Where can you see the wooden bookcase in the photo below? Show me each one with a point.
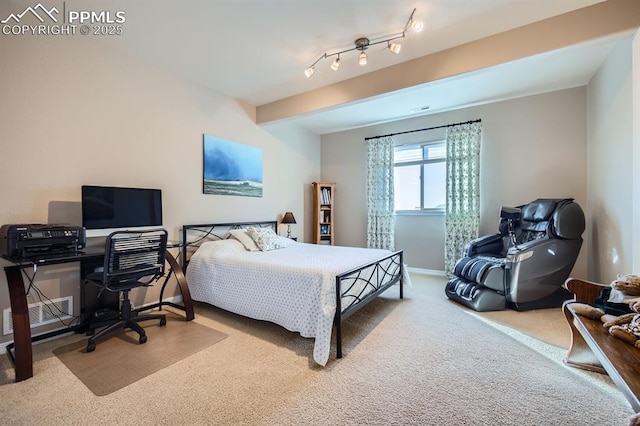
(323, 225)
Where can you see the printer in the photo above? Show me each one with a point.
(24, 241)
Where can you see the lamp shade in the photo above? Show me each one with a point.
(288, 218)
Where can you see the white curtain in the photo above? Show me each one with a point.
(380, 207)
(462, 220)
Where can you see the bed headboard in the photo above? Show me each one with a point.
(194, 235)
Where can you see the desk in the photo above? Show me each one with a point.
(22, 339)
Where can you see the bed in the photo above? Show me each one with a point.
(305, 288)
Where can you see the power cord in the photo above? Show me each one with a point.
(59, 314)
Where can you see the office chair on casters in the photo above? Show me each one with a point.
(132, 259)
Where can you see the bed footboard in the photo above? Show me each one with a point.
(357, 287)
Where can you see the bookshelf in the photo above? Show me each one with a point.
(323, 226)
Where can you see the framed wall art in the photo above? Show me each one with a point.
(231, 168)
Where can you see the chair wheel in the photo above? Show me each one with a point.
(143, 339)
(163, 322)
(91, 346)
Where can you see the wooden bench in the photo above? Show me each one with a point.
(594, 349)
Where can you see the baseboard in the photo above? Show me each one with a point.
(3, 346)
(426, 271)
(174, 299)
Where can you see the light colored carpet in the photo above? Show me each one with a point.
(420, 361)
(541, 324)
(120, 360)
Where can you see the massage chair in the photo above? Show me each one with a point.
(525, 264)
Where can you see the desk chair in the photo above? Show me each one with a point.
(132, 259)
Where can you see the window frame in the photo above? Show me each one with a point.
(431, 211)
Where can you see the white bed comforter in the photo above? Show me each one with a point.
(293, 287)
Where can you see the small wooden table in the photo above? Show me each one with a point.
(594, 349)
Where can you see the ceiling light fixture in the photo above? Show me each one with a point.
(362, 59)
(363, 43)
(394, 47)
(336, 63)
(417, 26)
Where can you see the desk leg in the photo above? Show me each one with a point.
(182, 284)
(21, 326)
(187, 303)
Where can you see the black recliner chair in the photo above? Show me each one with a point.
(525, 264)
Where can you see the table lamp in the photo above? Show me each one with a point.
(288, 219)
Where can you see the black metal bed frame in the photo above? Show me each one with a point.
(377, 275)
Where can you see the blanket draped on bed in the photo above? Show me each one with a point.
(293, 287)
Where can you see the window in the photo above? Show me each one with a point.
(420, 177)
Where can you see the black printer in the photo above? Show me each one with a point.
(24, 241)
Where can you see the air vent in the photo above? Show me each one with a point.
(42, 313)
(420, 109)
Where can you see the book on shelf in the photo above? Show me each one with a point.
(324, 229)
(325, 196)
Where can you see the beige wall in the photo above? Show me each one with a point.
(611, 195)
(72, 112)
(532, 147)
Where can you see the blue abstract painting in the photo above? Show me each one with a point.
(231, 168)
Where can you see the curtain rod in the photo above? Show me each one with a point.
(422, 130)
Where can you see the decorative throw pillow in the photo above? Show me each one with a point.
(265, 238)
(246, 240)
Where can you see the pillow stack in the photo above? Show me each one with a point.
(258, 239)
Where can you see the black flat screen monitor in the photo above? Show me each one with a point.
(109, 207)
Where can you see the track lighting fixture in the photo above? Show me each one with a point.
(364, 43)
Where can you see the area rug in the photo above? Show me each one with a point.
(120, 360)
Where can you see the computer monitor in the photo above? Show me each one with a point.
(108, 208)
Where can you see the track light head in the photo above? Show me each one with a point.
(395, 47)
(362, 44)
(363, 58)
(336, 63)
(309, 72)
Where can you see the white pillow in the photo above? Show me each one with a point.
(265, 238)
(246, 240)
(220, 247)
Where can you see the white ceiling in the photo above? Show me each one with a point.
(557, 70)
(256, 50)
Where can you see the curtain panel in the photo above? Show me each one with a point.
(380, 201)
(462, 219)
